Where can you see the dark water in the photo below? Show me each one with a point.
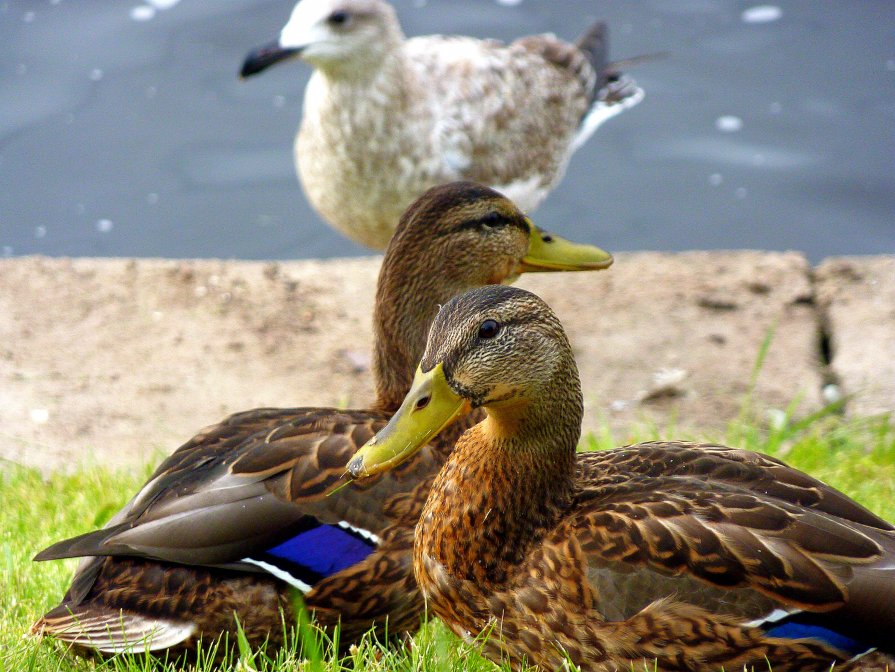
(121, 136)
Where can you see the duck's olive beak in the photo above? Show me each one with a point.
(429, 407)
(547, 252)
(263, 57)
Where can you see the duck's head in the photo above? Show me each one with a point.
(330, 33)
(453, 238)
(496, 347)
(469, 235)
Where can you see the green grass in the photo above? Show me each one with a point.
(857, 457)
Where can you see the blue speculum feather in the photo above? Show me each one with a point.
(792, 629)
(322, 551)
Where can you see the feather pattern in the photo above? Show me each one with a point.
(699, 556)
(257, 505)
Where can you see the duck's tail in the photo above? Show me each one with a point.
(96, 627)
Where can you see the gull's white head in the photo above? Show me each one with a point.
(329, 32)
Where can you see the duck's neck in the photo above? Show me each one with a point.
(407, 299)
(507, 483)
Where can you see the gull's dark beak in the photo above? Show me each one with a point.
(263, 57)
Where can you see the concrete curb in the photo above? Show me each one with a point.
(111, 360)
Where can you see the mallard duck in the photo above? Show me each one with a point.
(703, 557)
(386, 117)
(240, 514)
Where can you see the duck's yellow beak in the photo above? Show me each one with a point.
(548, 252)
(429, 407)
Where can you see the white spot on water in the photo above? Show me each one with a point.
(728, 123)
(279, 101)
(152, 198)
(28, 17)
(761, 14)
(39, 415)
(775, 108)
(142, 12)
(96, 74)
(715, 179)
(741, 192)
(509, 3)
(55, 2)
(104, 225)
(151, 91)
(163, 4)
(40, 231)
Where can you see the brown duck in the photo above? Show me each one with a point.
(240, 515)
(698, 557)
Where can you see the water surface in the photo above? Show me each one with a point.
(124, 130)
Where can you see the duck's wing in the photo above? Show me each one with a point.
(765, 551)
(252, 493)
(257, 494)
(758, 473)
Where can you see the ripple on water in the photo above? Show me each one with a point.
(142, 12)
(728, 123)
(163, 4)
(728, 151)
(761, 14)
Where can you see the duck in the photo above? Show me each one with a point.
(386, 117)
(252, 509)
(675, 555)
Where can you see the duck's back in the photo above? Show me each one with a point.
(702, 557)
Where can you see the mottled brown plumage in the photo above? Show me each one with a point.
(699, 556)
(182, 557)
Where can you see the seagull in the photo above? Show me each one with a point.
(386, 117)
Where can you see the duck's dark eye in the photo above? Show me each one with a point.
(547, 238)
(492, 219)
(339, 18)
(488, 329)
